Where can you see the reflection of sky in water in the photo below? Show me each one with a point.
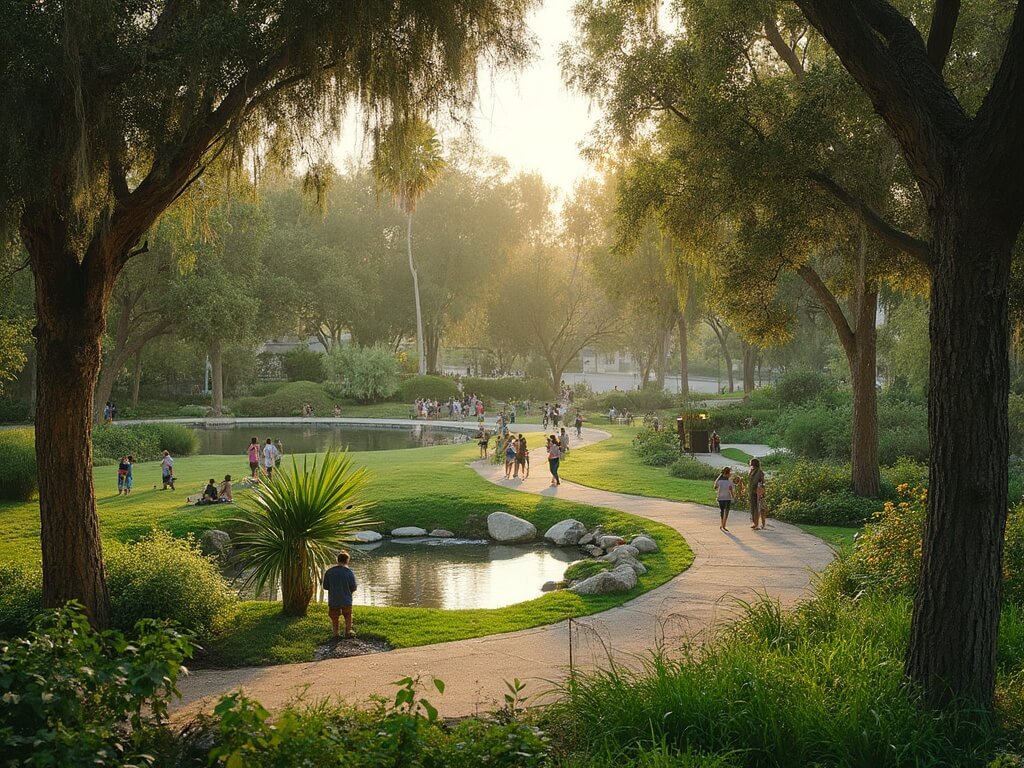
(454, 574)
(317, 438)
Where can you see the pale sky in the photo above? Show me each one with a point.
(529, 117)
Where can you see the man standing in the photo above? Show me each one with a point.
(340, 583)
(269, 458)
(167, 470)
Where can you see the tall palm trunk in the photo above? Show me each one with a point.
(421, 357)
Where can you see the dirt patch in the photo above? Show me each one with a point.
(340, 647)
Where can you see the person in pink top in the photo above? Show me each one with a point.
(254, 457)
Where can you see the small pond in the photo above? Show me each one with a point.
(452, 573)
(317, 438)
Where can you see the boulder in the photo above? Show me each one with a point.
(501, 526)
(408, 531)
(609, 542)
(549, 586)
(622, 579)
(586, 539)
(644, 544)
(625, 556)
(216, 543)
(566, 533)
(367, 537)
(441, 533)
(593, 550)
(626, 549)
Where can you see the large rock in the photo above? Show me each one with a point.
(367, 537)
(408, 531)
(593, 550)
(441, 533)
(625, 555)
(624, 550)
(609, 542)
(501, 526)
(644, 544)
(566, 533)
(549, 586)
(622, 579)
(216, 543)
(587, 539)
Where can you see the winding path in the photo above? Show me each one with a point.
(739, 565)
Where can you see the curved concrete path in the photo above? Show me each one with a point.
(727, 566)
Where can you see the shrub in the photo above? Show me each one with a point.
(74, 696)
(657, 449)
(162, 577)
(837, 508)
(1013, 557)
(18, 475)
(430, 387)
(15, 411)
(508, 388)
(303, 365)
(287, 400)
(638, 401)
(818, 433)
(803, 387)
(193, 411)
(690, 469)
(21, 597)
(143, 441)
(176, 438)
(367, 374)
(807, 481)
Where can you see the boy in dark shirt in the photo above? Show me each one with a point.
(340, 583)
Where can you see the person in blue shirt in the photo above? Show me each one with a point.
(340, 583)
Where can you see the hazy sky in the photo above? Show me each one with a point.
(529, 118)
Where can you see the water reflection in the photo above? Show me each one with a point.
(451, 573)
(317, 438)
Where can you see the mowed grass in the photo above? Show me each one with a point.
(741, 457)
(836, 535)
(427, 487)
(613, 465)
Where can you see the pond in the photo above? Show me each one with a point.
(317, 438)
(452, 573)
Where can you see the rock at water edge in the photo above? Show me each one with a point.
(408, 531)
(566, 533)
(367, 537)
(501, 526)
(441, 533)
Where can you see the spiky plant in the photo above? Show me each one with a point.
(295, 522)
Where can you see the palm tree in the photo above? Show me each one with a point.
(296, 521)
(406, 163)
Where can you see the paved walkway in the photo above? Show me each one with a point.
(727, 566)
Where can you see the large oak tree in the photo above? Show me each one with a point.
(112, 110)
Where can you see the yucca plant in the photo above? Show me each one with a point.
(295, 522)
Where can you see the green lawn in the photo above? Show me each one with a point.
(737, 455)
(427, 487)
(836, 535)
(613, 465)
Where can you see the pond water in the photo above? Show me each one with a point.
(317, 438)
(452, 573)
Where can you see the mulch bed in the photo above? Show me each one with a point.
(340, 647)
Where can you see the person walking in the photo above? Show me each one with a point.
(254, 458)
(167, 470)
(122, 474)
(755, 493)
(579, 425)
(521, 457)
(340, 583)
(554, 457)
(129, 480)
(510, 456)
(563, 441)
(279, 448)
(482, 438)
(725, 488)
(269, 458)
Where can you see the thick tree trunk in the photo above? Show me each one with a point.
(865, 480)
(433, 348)
(684, 356)
(664, 344)
(421, 357)
(217, 377)
(71, 307)
(952, 650)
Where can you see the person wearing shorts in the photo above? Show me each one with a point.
(521, 454)
(725, 488)
(340, 583)
(269, 458)
(254, 457)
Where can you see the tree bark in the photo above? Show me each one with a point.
(865, 479)
(136, 379)
(421, 359)
(952, 650)
(684, 355)
(749, 365)
(433, 347)
(72, 298)
(217, 378)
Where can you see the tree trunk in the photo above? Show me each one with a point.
(865, 480)
(136, 380)
(421, 358)
(749, 365)
(296, 588)
(71, 309)
(217, 376)
(664, 344)
(433, 347)
(684, 355)
(952, 651)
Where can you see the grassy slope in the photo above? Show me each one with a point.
(612, 465)
(737, 455)
(428, 487)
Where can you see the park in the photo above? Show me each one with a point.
(562, 383)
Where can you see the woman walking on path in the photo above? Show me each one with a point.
(755, 493)
(510, 456)
(554, 456)
(725, 488)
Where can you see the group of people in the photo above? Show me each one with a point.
(625, 416)
(268, 456)
(727, 489)
(109, 412)
(456, 408)
(216, 494)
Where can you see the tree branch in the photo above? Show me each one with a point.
(787, 54)
(889, 234)
(940, 34)
(831, 307)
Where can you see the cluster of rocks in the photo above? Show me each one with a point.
(405, 532)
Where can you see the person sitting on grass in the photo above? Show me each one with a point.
(340, 583)
(224, 490)
(210, 493)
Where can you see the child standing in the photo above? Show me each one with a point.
(725, 487)
(122, 474)
(340, 583)
(128, 476)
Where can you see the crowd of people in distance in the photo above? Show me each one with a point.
(454, 408)
(625, 416)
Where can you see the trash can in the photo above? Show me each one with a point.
(699, 441)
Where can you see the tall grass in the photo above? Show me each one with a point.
(823, 685)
